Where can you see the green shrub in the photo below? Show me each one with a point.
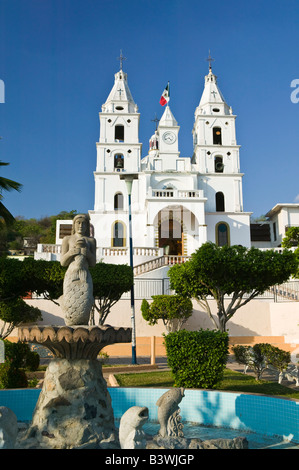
(260, 356)
(17, 357)
(32, 361)
(16, 353)
(242, 354)
(12, 377)
(173, 310)
(197, 358)
(20, 355)
(278, 358)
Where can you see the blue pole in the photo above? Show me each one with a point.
(132, 288)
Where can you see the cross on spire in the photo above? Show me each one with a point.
(121, 58)
(210, 60)
(156, 120)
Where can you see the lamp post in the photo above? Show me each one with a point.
(128, 178)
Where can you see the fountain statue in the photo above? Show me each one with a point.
(78, 252)
(74, 407)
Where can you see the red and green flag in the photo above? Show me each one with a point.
(165, 96)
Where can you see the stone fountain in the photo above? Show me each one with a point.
(74, 407)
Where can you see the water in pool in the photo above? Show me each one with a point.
(255, 440)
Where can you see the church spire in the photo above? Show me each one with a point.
(120, 97)
(212, 98)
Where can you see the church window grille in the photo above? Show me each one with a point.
(119, 133)
(118, 201)
(118, 234)
(219, 164)
(217, 140)
(220, 206)
(222, 234)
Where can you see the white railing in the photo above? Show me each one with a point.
(48, 248)
(166, 260)
(146, 288)
(177, 193)
(286, 291)
(137, 251)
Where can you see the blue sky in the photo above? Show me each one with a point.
(58, 59)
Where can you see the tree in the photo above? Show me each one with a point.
(15, 283)
(7, 185)
(14, 313)
(110, 282)
(173, 310)
(230, 271)
(46, 278)
(291, 238)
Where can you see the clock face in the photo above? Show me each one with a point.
(169, 137)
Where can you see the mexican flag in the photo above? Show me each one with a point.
(165, 96)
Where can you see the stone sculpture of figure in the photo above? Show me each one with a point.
(78, 253)
(168, 413)
(8, 428)
(131, 436)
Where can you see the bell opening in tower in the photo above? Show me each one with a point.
(217, 140)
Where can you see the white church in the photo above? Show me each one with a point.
(176, 203)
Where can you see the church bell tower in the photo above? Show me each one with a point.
(216, 159)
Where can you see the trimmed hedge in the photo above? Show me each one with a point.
(259, 356)
(17, 356)
(197, 358)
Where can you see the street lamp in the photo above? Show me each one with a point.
(128, 178)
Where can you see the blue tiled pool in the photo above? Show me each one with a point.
(246, 412)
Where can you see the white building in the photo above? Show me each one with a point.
(177, 203)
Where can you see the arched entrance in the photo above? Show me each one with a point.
(171, 231)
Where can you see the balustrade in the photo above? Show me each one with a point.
(177, 193)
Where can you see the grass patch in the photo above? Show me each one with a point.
(146, 379)
(232, 381)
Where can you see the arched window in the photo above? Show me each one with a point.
(118, 234)
(118, 201)
(219, 164)
(220, 207)
(118, 161)
(119, 133)
(222, 234)
(217, 136)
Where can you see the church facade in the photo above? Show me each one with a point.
(176, 203)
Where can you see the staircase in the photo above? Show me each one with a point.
(289, 291)
(165, 260)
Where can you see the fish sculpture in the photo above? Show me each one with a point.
(168, 413)
(131, 436)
